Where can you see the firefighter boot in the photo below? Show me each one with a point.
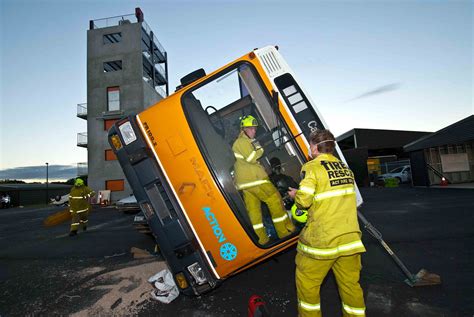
(73, 233)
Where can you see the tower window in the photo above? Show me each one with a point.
(116, 185)
(113, 98)
(112, 38)
(112, 66)
(110, 155)
(109, 123)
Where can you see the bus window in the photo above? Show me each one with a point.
(214, 110)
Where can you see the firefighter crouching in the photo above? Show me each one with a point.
(331, 238)
(79, 205)
(256, 187)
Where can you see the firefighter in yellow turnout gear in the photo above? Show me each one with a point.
(331, 238)
(254, 182)
(79, 206)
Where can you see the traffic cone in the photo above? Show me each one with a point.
(444, 181)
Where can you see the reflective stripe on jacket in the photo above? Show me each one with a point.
(248, 171)
(327, 191)
(78, 201)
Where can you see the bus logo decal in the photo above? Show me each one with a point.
(228, 251)
(313, 126)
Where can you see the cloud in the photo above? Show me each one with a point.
(378, 91)
(39, 172)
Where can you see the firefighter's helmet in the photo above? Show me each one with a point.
(248, 121)
(299, 215)
(78, 182)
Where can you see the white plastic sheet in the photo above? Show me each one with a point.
(165, 288)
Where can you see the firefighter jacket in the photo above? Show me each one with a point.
(78, 199)
(327, 191)
(248, 171)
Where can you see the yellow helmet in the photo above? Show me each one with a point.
(299, 215)
(248, 121)
(78, 182)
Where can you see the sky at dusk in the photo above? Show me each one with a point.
(401, 65)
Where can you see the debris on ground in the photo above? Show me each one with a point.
(166, 290)
(125, 290)
(140, 253)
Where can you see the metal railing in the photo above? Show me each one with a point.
(437, 173)
(160, 91)
(113, 21)
(82, 110)
(158, 67)
(148, 31)
(160, 70)
(82, 139)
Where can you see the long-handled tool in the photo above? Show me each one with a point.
(57, 218)
(422, 278)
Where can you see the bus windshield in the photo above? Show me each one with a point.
(254, 185)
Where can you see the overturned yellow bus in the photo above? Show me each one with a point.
(177, 156)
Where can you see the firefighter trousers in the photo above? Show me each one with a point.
(310, 273)
(267, 193)
(79, 219)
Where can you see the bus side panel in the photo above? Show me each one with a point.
(220, 234)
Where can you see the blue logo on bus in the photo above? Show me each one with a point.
(228, 251)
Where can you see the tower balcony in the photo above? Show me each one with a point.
(82, 168)
(82, 110)
(82, 139)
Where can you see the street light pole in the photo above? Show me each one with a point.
(47, 189)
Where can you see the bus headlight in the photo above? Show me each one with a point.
(128, 135)
(198, 274)
(181, 280)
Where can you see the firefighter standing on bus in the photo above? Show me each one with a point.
(256, 187)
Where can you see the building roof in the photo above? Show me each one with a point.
(379, 138)
(4, 187)
(456, 133)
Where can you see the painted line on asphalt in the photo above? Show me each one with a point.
(16, 211)
(92, 228)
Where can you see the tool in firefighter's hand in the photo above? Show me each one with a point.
(57, 218)
(422, 278)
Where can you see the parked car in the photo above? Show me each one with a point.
(402, 173)
(128, 205)
(6, 201)
(60, 200)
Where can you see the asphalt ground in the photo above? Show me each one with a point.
(43, 272)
